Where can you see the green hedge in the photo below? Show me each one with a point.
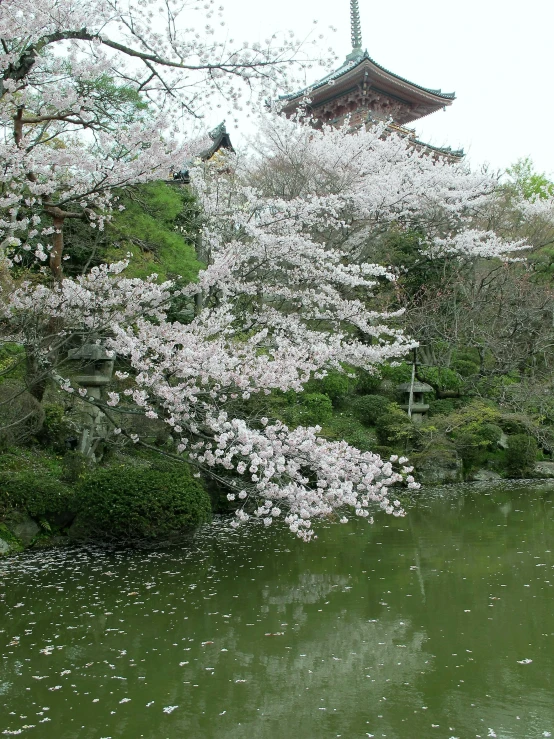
(371, 407)
(521, 455)
(394, 428)
(38, 495)
(140, 505)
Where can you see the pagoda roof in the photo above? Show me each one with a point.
(220, 139)
(204, 149)
(360, 64)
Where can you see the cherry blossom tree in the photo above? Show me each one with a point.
(90, 92)
(92, 95)
(279, 304)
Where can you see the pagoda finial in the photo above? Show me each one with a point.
(355, 26)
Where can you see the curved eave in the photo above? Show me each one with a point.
(350, 71)
(222, 141)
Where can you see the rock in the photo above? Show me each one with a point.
(437, 466)
(485, 476)
(22, 526)
(5, 546)
(8, 542)
(544, 469)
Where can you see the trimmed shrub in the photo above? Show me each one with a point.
(441, 378)
(371, 407)
(359, 439)
(336, 385)
(315, 408)
(441, 407)
(133, 505)
(37, 495)
(521, 455)
(366, 382)
(394, 428)
(465, 368)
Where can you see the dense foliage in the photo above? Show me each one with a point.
(140, 505)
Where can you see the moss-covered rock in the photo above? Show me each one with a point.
(9, 543)
(438, 465)
(22, 526)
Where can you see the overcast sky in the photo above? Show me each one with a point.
(496, 56)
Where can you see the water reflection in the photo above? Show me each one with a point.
(440, 624)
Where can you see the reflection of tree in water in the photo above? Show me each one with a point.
(333, 660)
(310, 588)
(348, 671)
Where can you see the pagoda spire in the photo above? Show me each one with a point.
(355, 26)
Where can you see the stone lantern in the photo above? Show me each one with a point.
(93, 372)
(418, 406)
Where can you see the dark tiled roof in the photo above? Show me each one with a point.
(352, 62)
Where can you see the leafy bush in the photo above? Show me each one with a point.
(385, 452)
(401, 372)
(465, 367)
(56, 427)
(360, 439)
(346, 427)
(514, 423)
(521, 455)
(472, 449)
(37, 494)
(366, 382)
(336, 385)
(371, 407)
(497, 386)
(140, 505)
(75, 466)
(315, 408)
(441, 378)
(394, 428)
(441, 407)
(475, 431)
(490, 432)
(11, 364)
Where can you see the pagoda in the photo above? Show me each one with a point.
(365, 92)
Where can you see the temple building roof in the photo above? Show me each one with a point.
(362, 87)
(360, 62)
(204, 148)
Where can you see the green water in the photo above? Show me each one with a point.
(437, 625)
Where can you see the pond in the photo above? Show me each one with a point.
(440, 624)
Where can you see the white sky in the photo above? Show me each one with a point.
(497, 56)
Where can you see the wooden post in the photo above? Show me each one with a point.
(411, 396)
